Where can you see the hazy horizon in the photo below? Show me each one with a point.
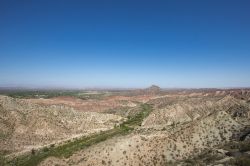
(124, 44)
(30, 87)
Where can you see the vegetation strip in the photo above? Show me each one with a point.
(68, 149)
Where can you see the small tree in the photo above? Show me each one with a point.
(33, 151)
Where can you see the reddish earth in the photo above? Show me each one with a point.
(94, 105)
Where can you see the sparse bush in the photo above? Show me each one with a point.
(164, 128)
(45, 149)
(33, 152)
(103, 162)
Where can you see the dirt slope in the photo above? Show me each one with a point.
(24, 125)
(176, 131)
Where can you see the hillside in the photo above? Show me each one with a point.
(182, 127)
(25, 125)
(173, 134)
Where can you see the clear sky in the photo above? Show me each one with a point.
(125, 43)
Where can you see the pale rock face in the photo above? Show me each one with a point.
(167, 116)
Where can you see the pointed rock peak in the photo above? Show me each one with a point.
(153, 89)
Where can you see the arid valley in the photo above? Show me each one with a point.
(149, 126)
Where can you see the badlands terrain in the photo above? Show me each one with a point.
(142, 127)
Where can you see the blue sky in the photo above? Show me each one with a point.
(125, 43)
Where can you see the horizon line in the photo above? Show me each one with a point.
(113, 88)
